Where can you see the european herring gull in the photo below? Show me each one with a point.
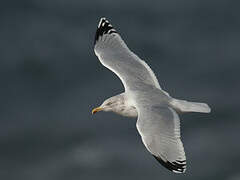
(158, 122)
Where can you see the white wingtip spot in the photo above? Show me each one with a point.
(103, 18)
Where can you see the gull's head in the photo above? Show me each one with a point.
(111, 104)
(117, 104)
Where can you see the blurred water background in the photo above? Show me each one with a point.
(50, 80)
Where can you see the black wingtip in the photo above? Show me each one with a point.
(104, 27)
(177, 166)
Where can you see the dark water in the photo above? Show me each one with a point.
(50, 80)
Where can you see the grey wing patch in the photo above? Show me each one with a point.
(114, 54)
(104, 27)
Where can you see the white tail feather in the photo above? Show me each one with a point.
(185, 106)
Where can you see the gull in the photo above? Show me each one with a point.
(157, 120)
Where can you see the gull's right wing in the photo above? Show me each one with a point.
(114, 54)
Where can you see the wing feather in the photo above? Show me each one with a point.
(114, 54)
(159, 128)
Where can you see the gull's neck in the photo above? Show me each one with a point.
(123, 106)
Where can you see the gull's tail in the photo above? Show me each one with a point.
(185, 106)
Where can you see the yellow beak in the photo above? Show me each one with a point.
(96, 110)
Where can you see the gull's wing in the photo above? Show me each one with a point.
(159, 127)
(114, 54)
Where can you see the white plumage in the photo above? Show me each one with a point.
(158, 123)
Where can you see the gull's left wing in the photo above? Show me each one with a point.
(159, 127)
